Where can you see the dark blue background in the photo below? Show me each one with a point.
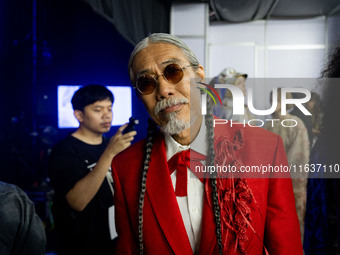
(74, 46)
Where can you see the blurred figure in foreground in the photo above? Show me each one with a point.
(323, 204)
(22, 232)
(314, 106)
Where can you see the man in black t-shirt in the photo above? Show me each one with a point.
(79, 169)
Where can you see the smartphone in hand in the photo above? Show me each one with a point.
(131, 125)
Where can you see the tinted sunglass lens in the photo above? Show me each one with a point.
(146, 84)
(173, 73)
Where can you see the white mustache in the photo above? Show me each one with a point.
(165, 103)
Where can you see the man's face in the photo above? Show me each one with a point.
(97, 117)
(152, 60)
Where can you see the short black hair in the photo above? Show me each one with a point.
(89, 94)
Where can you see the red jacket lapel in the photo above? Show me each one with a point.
(208, 230)
(163, 200)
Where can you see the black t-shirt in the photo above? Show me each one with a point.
(85, 232)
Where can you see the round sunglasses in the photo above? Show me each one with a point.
(147, 83)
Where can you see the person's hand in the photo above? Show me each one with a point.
(120, 141)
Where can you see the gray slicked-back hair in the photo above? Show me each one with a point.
(161, 38)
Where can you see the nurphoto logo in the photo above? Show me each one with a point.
(238, 103)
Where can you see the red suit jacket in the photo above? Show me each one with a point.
(274, 220)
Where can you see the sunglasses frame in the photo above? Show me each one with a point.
(155, 77)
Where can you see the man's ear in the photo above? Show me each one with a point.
(79, 115)
(200, 72)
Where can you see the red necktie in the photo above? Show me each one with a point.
(181, 161)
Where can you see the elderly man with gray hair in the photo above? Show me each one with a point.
(161, 205)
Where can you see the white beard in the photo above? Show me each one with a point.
(174, 126)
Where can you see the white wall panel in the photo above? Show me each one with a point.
(262, 49)
(242, 43)
(334, 31)
(295, 46)
(188, 19)
(288, 32)
(197, 45)
(238, 56)
(190, 23)
(237, 33)
(295, 63)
